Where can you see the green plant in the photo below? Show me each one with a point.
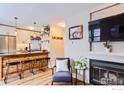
(107, 44)
(47, 28)
(80, 64)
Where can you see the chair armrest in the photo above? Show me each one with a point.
(53, 68)
(71, 73)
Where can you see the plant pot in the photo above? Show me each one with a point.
(109, 50)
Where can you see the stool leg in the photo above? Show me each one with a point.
(44, 67)
(50, 64)
(40, 65)
(31, 68)
(46, 61)
(22, 70)
(6, 74)
(19, 74)
(52, 83)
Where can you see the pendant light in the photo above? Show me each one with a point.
(34, 30)
(16, 18)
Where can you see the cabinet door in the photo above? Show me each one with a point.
(12, 44)
(23, 37)
(3, 44)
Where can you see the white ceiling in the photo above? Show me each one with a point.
(41, 13)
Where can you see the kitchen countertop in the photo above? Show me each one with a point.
(21, 53)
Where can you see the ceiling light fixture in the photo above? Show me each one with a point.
(35, 30)
(16, 18)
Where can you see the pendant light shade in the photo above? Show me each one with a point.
(16, 18)
(34, 30)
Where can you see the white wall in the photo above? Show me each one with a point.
(80, 48)
(77, 48)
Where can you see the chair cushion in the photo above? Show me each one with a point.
(62, 65)
(62, 76)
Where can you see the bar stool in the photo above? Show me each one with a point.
(30, 63)
(47, 59)
(40, 62)
(8, 65)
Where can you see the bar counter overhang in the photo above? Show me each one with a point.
(18, 56)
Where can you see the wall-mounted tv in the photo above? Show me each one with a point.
(110, 28)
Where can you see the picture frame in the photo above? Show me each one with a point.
(76, 32)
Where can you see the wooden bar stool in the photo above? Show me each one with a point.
(40, 62)
(30, 63)
(47, 59)
(8, 65)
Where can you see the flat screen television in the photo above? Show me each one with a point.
(117, 33)
(110, 28)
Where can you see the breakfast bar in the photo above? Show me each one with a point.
(20, 57)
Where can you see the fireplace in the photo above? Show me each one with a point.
(106, 73)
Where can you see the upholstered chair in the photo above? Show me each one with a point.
(62, 71)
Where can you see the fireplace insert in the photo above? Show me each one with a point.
(106, 73)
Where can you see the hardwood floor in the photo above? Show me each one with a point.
(40, 78)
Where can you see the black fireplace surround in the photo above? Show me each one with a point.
(106, 72)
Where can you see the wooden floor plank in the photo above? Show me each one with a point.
(41, 78)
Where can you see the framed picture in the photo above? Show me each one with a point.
(76, 32)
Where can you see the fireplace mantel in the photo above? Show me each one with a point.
(114, 57)
(107, 54)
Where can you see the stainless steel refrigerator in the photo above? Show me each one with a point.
(7, 44)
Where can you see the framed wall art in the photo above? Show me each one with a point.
(76, 32)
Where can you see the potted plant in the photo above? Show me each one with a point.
(80, 64)
(108, 46)
(47, 28)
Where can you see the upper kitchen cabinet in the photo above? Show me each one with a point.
(23, 37)
(4, 30)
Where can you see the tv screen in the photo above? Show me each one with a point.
(110, 28)
(117, 33)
